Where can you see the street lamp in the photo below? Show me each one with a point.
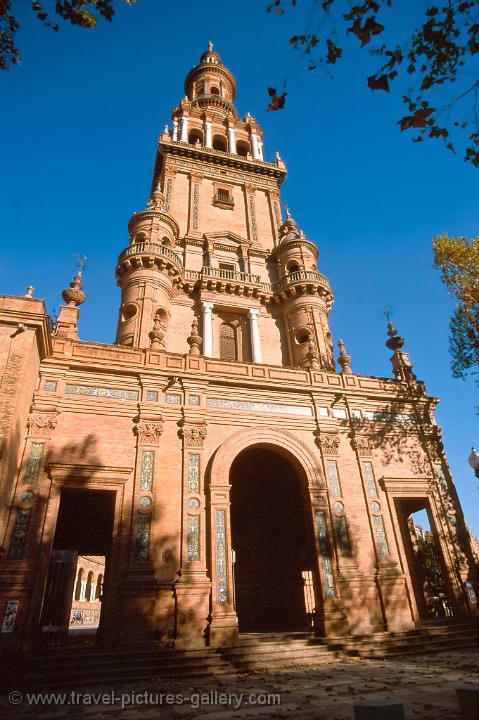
(473, 461)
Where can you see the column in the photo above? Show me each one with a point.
(184, 129)
(260, 151)
(254, 332)
(207, 329)
(254, 146)
(231, 140)
(208, 134)
(175, 130)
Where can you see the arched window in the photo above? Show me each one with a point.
(195, 136)
(200, 88)
(219, 143)
(214, 90)
(78, 585)
(89, 587)
(227, 342)
(242, 148)
(99, 588)
(166, 242)
(292, 266)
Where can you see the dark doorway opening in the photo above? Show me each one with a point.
(76, 584)
(271, 544)
(424, 559)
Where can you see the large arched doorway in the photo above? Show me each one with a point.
(272, 544)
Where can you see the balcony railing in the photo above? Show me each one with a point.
(150, 248)
(300, 276)
(221, 274)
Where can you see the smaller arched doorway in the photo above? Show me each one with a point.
(273, 543)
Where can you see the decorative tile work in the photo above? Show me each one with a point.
(193, 538)
(325, 553)
(10, 615)
(342, 534)
(34, 462)
(441, 478)
(152, 396)
(145, 502)
(259, 407)
(380, 533)
(369, 479)
(101, 392)
(143, 530)
(221, 557)
(333, 478)
(173, 399)
(147, 466)
(19, 534)
(50, 386)
(193, 473)
(169, 185)
(193, 503)
(196, 199)
(252, 209)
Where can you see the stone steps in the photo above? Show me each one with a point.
(429, 639)
(88, 666)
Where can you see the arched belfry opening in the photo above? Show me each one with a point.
(272, 543)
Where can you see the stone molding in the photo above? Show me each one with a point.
(148, 433)
(41, 424)
(328, 443)
(364, 446)
(194, 435)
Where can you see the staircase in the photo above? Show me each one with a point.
(89, 665)
(258, 651)
(431, 638)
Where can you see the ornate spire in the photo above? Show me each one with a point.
(395, 342)
(344, 359)
(67, 323)
(29, 291)
(156, 335)
(402, 366)
(194, 340)
(74, 294)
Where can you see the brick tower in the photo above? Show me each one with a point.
(213, 460)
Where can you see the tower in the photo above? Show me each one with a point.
(212, 245)
(230, 478)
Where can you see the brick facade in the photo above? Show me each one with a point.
(130, 451)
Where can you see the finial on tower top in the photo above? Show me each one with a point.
(287, 210)
(395, 341)
(29, 291)
(344, 359)
(74, 294)
(81, 263)
(210, 45)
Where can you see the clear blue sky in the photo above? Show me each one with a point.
(79, 123)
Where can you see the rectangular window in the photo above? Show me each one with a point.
(173, 399)
(339, 413)
(194, 399)
(50, 386)
(333, 478)
(223, 195)
(152, 396)
(323, 411)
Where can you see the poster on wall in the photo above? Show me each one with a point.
(10, 615)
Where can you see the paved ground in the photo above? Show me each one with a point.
(424, 684)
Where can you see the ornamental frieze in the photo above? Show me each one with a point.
(41, 424)
(148, 433)
(193, 435)
(328, 443)
(364, 446)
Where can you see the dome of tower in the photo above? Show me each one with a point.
(210, 78)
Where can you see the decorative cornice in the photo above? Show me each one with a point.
(218, 157)
(148, 433)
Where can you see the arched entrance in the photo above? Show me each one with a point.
(272, 542)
